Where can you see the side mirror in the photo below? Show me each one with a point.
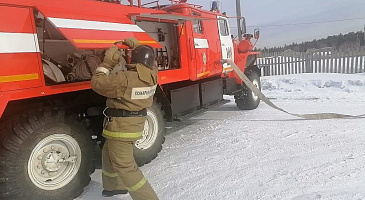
(243, 25)
(256, 34)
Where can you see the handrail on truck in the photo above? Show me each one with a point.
(131, 3)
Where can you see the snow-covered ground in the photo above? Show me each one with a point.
(225, 153)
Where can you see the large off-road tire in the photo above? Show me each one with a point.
(45, 156)
(246, 99)
(147, 148)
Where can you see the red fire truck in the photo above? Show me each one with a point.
(51, 120)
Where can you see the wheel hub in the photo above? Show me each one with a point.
(145, 131)
(54, 161)
(257, 85)
(150, 132)
(51, 161)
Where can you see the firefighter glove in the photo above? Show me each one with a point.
(131, 42)
(112, 57)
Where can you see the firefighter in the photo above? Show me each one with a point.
(128, 94)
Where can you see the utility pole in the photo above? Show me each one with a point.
(239, 15)
(364, 36)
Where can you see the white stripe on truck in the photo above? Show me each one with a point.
(18, 43)
(93, 25)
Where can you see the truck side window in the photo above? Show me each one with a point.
(223, 27)
(197, 25)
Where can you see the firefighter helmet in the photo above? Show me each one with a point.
(143, 54)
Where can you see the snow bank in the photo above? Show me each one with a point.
(315, 86)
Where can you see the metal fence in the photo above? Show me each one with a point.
(327, 60)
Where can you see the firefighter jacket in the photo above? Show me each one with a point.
(130, 90)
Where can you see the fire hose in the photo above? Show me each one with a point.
(257, 92)
(84, 68)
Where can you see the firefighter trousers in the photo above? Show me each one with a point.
(120, 171)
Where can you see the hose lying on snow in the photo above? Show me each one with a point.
(255, 90)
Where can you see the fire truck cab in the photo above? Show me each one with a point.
(51, 120)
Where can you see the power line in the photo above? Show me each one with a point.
(308, 23)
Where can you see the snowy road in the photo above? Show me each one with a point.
(226, 153)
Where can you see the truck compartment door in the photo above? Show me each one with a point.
(226, 42)
(19, 50)
(200, 47)
(87, 31)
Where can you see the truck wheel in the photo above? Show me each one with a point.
(45, 156)
(147, 148)
(247, 100)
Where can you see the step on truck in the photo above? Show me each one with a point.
(51, 120)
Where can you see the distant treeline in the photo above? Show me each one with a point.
(349, 40)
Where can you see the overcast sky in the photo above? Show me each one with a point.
(344, 16)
